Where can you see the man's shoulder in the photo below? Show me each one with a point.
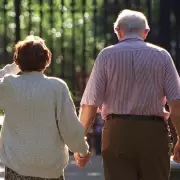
(157, 48)
(160, 51)
(108, 49)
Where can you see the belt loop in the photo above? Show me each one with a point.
(109, 117)
(155, 118)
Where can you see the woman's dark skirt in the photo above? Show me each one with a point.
(11, 175)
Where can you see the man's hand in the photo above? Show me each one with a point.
(81, 161)
(176, 157)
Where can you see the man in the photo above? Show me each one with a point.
(130, 83)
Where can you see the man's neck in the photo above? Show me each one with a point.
(131, 36)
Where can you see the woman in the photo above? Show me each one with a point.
(40, 118)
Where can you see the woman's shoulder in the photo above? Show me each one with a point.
(9, 77)
(58, 82)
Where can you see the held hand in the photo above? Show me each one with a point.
(176, 157)
(81, 161)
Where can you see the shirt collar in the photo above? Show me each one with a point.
(131, 37)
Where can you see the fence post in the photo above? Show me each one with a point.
(17, 8)
(164, 24)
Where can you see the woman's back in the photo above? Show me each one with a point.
(30, 131)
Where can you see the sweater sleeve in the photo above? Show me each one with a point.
(9, 69)
(70, 127)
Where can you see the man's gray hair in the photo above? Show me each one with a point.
(131, 20)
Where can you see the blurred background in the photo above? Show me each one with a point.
(76, 30)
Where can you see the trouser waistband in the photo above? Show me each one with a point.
(135, 117)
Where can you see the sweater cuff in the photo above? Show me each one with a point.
(84, 153)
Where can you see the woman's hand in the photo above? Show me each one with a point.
(81, 161)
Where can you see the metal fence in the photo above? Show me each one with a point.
(76, 30)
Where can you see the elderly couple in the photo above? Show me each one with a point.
(130, 83)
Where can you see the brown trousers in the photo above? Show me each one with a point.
(135, 149)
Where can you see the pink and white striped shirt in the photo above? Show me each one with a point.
(132, 77)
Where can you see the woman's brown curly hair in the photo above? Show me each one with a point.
(32, 54)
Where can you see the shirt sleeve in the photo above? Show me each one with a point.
(71, 130)
(171, 79)
(96, 86)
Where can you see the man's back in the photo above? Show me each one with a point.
(132, 78)
(135, 77)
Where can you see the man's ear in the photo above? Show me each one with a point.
(118, 33)
(146, 32)
(116, 30)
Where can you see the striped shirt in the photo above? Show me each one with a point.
(132, 77)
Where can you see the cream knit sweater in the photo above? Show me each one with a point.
(30, 143)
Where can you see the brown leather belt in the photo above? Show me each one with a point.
(135, 117)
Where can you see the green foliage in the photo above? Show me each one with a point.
(62, 28)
